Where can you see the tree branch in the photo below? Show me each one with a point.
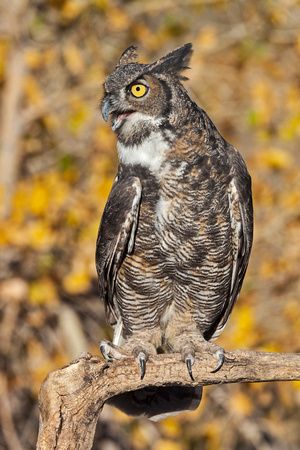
(72, 398)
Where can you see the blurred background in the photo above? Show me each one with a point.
(58, 160)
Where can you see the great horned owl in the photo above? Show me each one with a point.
(176, 233)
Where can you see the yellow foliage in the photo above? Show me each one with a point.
(39, 235)
(58, 188)
(290, 198)
(43, 291)
(72, 8)
(70, 175)
(12, 233)
(33, 91)
(20, 203)
(102, 188)
(79, 114)
(74, 59)
(170, 427)
(104, 138)
(51, 121)
(39, 364)
(240, 404)
(271, 347)
(275, 158)
(278, 15)
(73, 217)
(40, 197)
(119, 416)
(212, 432)
(207, 38)
(263, 99)
(117, 20)
(36, 58)
(88, 234)
(292, 312)
(262, 192)
(166, 444)
(4, 48)
(270, 267)
(297, 44)
(101, 4)
(139, 439)
(292, 98)
(33, 58)
(290, 128)
(144, 34)
(267, 268)
(243, 322)
(77, 281)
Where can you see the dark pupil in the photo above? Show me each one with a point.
(138, 88)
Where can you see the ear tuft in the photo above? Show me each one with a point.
(174, 62)
(128, 56)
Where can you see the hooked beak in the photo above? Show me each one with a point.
(106, 108)
(118, 116)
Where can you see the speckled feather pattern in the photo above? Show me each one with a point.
(182, 197)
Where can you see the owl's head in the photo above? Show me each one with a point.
(142, 98)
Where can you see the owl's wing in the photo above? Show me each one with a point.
(241, 220)
(116, 237)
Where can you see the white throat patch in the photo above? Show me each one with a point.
(151, 153)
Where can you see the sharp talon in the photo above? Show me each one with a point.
(141, 360)
(189, 367)
(143, 368)
(102, 350)
(220, 362)
(104, 354)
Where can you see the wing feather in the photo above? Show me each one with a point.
(241, 220)
(116, 237)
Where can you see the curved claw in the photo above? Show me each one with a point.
(141, 359)
(104, 354)
(189, 362)
(221, 356)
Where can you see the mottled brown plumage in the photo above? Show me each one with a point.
(176, 233)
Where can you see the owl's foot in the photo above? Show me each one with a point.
(188, 345)
(110, 351)
(140, 350)
(219, 355)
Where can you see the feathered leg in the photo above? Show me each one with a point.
(185, 338)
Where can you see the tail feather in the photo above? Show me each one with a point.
(158, 403)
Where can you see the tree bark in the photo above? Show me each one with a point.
(71, 399)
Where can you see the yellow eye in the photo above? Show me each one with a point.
(138, 90)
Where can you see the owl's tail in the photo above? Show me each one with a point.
(158, 403)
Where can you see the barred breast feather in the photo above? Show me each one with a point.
(176, 230)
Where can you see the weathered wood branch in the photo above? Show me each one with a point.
(72, 398)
